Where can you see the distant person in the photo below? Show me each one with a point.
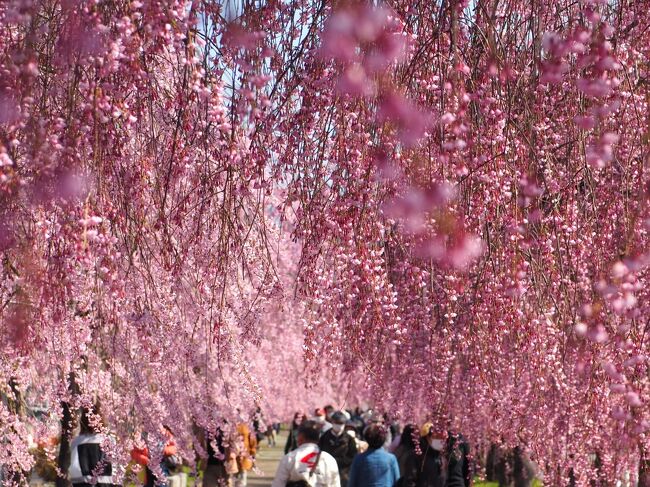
(352, 431)
(445, 458)
(341, 446)
(379, 419)
(270, 434)
(357, 420)
(376, 467)
(329, 410)
(292, 434)
(406, 453)
(395, 433)
(320, 418)
(422, 459)
(88, 461)
(259, 424)
(170, 461)
(308, 465)
(246, 449)
(220, 456)
(459, 470)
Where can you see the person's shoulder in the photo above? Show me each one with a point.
(291, 454)
(387, 456)
(327, 457)
(382, 452)
(84, 439)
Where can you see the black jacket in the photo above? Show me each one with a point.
(216, 457)
(459, 472)
(433, 468)
(343, 448)
(424, 470)
(292, 440)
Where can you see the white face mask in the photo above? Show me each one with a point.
(319, 419)
(338, 428)
(436, 443)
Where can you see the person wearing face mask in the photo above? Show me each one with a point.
(320, 418)
(425, 465)
(444, 459)
(340, 445)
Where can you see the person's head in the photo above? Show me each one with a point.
(376, 418)
(167, 431)
(338, 421)
(90, 422)
(350, 430)
(308, 432)
(435, 437)
(298, 418)
(375, 435)
(319, 415)
(409, 435)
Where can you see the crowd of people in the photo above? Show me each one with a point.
(355, 449)
(331, 448)
(224, 454)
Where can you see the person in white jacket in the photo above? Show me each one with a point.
(88, 463)
(307, 463)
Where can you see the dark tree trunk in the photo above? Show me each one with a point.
(503, 467)
(16, 405)
(67, 427)
(63, 463)
(644, 469)
(491, 463)
(523, 468)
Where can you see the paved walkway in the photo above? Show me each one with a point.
(267, 462)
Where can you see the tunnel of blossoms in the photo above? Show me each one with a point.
(440, 208)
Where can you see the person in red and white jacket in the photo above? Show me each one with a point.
(307, 462)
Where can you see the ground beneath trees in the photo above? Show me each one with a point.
(268, 458)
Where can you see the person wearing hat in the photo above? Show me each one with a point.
(320, 418)
(340, 445)
(444, 460)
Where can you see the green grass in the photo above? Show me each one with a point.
(479, 483)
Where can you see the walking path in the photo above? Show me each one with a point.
(267, 461)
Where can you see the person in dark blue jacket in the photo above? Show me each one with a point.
(375, 467)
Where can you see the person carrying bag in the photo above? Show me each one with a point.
(308, 465)
(306, 483)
